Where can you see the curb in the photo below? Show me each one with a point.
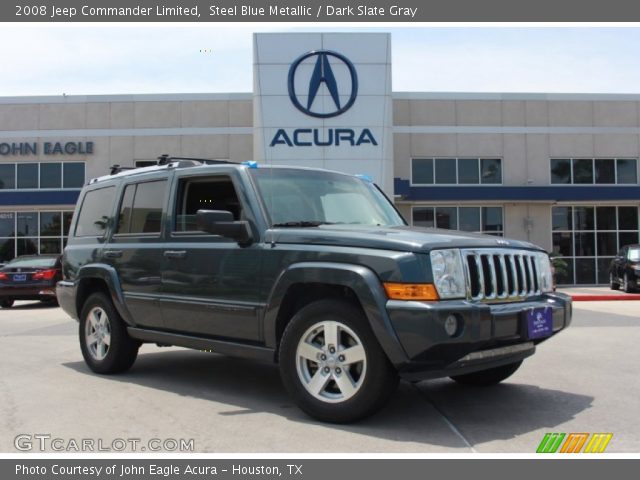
(600, 298)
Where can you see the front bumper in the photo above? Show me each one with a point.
(490, 335)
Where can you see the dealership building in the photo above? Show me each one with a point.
(558, 170)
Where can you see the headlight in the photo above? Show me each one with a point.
(546, 276)
(448, 274)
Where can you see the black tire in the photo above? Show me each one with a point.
(626, 285)
(376, 378)
(488, 377)
(613, 285)
(8, 303)
(122, 349)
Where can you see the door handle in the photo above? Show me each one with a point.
(175, 253)
(113, 253)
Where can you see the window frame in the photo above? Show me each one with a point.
(49, 189)
(456, 161)
(495, 233)
(594, 182)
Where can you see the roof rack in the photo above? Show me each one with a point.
(164, 159)
(113, 169)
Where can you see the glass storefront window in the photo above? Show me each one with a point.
(73, 174)
(446, 217)
(594, 171)
(589, 237)
(470, 219)
(50, 175)
(491, 170)
(27, 175)
(36, 233)
(456, 171)
(468, 170)
(422, 171)
(445, 170)
(7, 176)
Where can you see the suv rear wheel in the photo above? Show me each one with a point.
(105, 344)
(488, 377)
(332, 365)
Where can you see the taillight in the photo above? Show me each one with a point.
(45, 274)
(4, 276)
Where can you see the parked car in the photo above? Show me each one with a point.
(312, 269)
(30, 277)
(625, 269)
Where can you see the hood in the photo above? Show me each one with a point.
(400, 238)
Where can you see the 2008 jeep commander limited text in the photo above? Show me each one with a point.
(312, 269)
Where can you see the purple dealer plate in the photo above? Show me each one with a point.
(539, 322)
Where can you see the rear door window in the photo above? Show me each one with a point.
(141, 208)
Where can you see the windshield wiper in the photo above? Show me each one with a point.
(302, 223)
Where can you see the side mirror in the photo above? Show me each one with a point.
(221, 222)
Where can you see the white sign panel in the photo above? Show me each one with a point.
(324, 100)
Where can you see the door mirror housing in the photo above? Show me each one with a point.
(221, 222)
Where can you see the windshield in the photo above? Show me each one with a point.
(32, 262)
(311, 198)
(634, 254)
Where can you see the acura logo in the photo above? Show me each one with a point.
(323, 73)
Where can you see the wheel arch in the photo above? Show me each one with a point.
(304, 282)
(102, 278)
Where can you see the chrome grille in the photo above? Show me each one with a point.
(501, 274)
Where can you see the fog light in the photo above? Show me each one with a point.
(451, 325)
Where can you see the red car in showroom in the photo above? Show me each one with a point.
(30, 277)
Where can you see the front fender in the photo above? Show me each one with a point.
(361, 280)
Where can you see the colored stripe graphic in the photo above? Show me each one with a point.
(598, 443)
(550, 443)
(574, 442)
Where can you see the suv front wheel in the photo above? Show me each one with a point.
(332, 365)
(104, 341)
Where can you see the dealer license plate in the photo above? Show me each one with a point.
(20, 277)
(539, 322)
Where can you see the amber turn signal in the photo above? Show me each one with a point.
(411, 291)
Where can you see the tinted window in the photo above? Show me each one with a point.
(422, 170)
(491, 170)
(445, 170)
(7, 227)
(468, 171)
(50, 224)
(605, 171)
(470, 219)
(73, 175)
(423, 217)
(627, 171)
(7, 176)
(95, 212)
(560, 170)
(124, 217)
(50, 175)
(583, 171)
(27, 175)
(27, 224)
(146, 214)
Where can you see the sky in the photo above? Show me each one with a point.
(81, 60)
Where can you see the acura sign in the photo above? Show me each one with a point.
(342, 97)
